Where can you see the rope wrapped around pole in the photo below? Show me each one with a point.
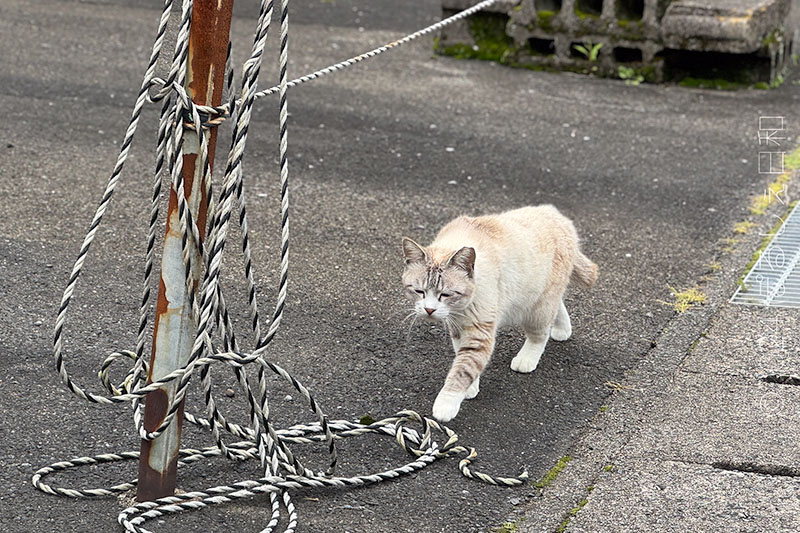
(214, 340)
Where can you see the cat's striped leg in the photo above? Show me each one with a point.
(475, 348)
(474, 389)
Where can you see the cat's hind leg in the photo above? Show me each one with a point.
(537, 331)
(528, 357)
(562, 326)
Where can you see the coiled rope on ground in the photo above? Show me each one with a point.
(214, 340)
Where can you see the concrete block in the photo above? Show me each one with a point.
(742, 41)
(732, 26)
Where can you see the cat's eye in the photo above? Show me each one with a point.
(445, 295)
(420, 292)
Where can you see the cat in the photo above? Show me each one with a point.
(482, 273)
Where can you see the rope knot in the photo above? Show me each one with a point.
(210, 117)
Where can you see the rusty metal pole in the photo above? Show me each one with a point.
(174, 327)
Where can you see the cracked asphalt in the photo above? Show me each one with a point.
(653, 177)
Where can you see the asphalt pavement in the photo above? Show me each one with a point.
(654, 178)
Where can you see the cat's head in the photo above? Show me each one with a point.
(439, 282)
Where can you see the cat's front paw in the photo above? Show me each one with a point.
(446, 406)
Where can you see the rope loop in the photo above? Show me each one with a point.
(215, 342)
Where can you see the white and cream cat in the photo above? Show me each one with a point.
(483, 273)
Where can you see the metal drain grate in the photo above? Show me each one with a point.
(774, 280)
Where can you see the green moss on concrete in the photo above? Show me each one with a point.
(648, 72)
(686, 299)
(743, 227)
(726, 76)
(553, 473)
(545, 19)
(574, 511)
(628, 24)
(583, 15)
(488, 32)
(507, 527)
(631, 30)
(792, 161)
(774, 84)
(716, 83)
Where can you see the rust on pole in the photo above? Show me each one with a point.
(174, 331)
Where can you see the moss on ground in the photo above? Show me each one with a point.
(553, 473)
(743, 227)
(507, 527)
(716, 83)
(574, 511)
(685, 299)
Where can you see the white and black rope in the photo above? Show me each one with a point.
(281, 469)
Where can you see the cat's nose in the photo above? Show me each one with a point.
(429, 310)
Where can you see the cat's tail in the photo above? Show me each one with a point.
(584, 271)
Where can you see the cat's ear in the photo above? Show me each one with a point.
(413, 252)
(464, 259)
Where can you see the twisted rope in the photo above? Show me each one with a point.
(281, 470)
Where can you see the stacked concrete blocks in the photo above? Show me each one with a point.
(744, 41)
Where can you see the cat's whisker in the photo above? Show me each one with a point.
(397, 313)
(409, 315)
(411, 326)
(454, 324)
